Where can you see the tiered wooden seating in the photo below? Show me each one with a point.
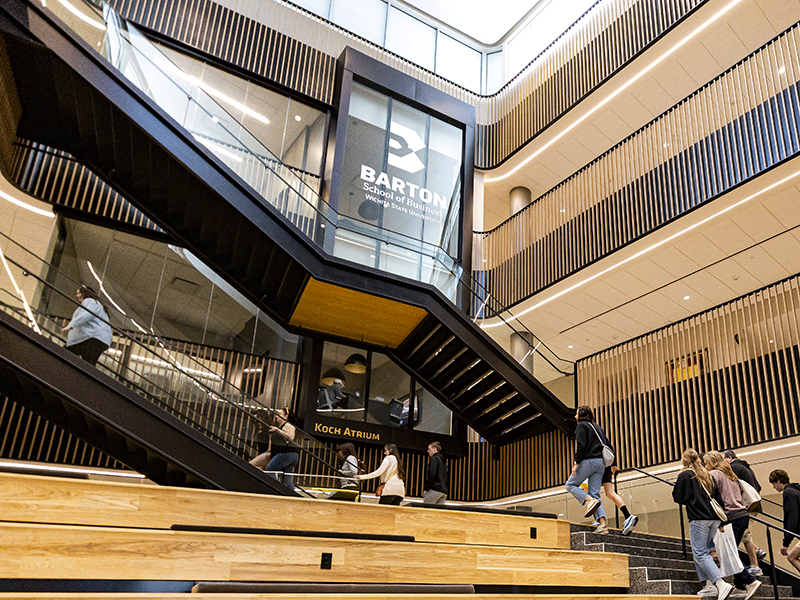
(34, 499)
(68, 529)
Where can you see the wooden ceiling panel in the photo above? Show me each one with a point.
(346, 313)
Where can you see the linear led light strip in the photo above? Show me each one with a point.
(105, 293)
(616, 93)
(21, 204)
(643, 252)
(80, 15)
(76, 470)
(163, 363)
(20, 294)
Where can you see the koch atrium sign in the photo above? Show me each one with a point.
(401, 172)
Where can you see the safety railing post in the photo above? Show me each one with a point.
(683, 532)
(773, 572)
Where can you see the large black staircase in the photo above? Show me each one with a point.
(73, 100)
(51, 381)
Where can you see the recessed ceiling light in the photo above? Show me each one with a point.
(686, 297)
(215, 119)
(570, 346)
(772, 341)
(322, 225)
(782, 70)
(372, 256)
(484, 260)
(298, 118)
(666, 144)
(563, 210)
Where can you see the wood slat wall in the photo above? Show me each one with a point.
(727, 378)
(730, 131)
(297, 50)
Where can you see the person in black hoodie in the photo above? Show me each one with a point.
(744, 472)
(791, 514)
(435, 489)
(589, 440)
(693, 489)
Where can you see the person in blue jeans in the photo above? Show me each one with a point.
(694, 489)
(283, 453)
(589, 439)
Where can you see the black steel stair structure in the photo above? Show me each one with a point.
(656, 562)
(73, 100)
(51, 381)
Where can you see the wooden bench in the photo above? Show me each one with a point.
(36, 551)
(38, 499)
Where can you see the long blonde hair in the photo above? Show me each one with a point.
(691, 460)
(714, 461)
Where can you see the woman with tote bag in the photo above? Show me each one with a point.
(735, 510)
(695, 489)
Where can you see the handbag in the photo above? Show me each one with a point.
(379, 489)
(608, 453)
(715, 505)
(727, 552)
(750, 496)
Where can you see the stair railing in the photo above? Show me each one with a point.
(212, 405)
(769, 526)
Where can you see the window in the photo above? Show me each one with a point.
(411, 38)
(366, 18)
(458, 62)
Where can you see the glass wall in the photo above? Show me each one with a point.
(150, 285)
(291, 130)
(436, 47)
(368, 387)
(400, 184)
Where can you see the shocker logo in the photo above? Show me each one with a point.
(408, 141)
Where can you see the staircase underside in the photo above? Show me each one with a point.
(72, 100)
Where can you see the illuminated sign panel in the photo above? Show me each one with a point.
(401, 171)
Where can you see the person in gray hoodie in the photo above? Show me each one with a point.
(88, 332)
(791, 514)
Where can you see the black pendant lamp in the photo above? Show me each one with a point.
(331, 375)
(356, 363)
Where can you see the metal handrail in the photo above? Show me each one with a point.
(200, 384)
(773, 569)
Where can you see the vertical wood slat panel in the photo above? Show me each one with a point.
(743, 392)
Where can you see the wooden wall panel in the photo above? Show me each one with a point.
(722, 379)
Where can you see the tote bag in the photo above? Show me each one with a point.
(727, 552)
(750, 496)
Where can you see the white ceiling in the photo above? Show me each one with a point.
(565, 147)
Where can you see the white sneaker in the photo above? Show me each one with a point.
(630, 523)
(709, 590)
(601, 529)
(724, 589)
(591, 505)
(751, 589)
(756, 571)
